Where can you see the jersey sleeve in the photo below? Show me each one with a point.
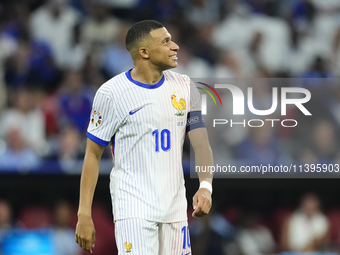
(104, 120)
(194, 117)
(195, 98)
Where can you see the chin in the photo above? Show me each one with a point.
(173, 65)
(169, 67)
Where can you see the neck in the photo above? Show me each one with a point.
(146, 75)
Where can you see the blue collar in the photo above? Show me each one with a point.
(144, 85)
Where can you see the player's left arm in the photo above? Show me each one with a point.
(204, 158)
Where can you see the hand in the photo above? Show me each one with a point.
(201, 203)
(85, 233)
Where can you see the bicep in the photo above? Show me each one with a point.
(93, 148)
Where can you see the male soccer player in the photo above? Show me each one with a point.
(144, 113)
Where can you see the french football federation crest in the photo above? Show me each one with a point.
(128, 247)
(179, 106)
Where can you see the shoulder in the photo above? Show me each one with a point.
(114, 86)
(171, 75)
(295, 217)
(40, 13)
(320, 217)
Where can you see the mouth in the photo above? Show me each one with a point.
(174, 56)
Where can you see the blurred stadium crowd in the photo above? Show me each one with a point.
(54, 54)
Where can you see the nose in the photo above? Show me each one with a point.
(174, 46)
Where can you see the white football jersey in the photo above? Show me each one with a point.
(147, 126)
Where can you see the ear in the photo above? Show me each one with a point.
(144, 52)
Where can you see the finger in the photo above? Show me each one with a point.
(80, 242)
(84, 245)
(205, 203)
(194, 203)
(202, 209)
(198, 215)
(205, 206)
(198, 205)
(88, 246)
(93, 239)
(197, 211)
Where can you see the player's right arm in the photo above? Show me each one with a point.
(85, 232)
(103, 125)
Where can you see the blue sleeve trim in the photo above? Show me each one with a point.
(97, 140)
(194, 120)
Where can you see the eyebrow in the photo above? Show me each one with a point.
(166, 38)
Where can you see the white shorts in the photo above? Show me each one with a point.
(141, 237)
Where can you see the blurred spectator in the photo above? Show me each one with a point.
(222, 234)
(92, 73)
(262, 93)
(261, 147)
(307, 156)
(31, 65)
(303, 49)
(307, 229)
(228, 66)
(75, 102)
(64, 237)
(54, 22)
(5, 218)
(335, 59)
(235, 31)
(75, 54)
(17, 156)
(191, 65)
(202, 12)
(326, 23)
(203, 47)
(332, 102)
(318, 69)
(162, 10)
(274, 38)
(5, 215)
(324, 141)
(28, 120)
(122, 6)
(100, 29)
(8, 46)
(33, 62)
(302, 14)
(117, 51)
(211, 234)
(69, 154)
(254, 238)
(48, 103)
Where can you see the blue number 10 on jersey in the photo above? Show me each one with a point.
(165, 139)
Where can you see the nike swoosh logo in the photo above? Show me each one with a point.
(133, 112)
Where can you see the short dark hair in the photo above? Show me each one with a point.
(139, 30)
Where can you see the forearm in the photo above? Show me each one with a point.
(203, 154)
(204, 159)
(88, 183)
